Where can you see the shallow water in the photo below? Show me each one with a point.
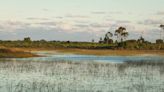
(54, 56)
(57, 73)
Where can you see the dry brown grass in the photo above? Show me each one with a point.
(13, 53)
(111, 52)
(95, 52)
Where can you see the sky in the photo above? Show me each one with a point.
(79, 20)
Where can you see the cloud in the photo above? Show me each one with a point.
(99, 25)
(123, 21)
(47, 23)
(80, 30)
(59, 17)
(11, 26)
(160, 13)
(66, 26)
(76, 16)
(36, 18)
(151, 22)
(115, 12)
(98, 12)
(14, 23)
(106, 12)
(45, 9)
(37, 33)
(81, 21)
(82, 25)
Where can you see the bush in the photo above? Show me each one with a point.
(159, 41)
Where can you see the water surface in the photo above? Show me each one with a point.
(54, 56)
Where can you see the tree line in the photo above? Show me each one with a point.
(121, 34)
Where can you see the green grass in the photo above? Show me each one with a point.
(81, 45)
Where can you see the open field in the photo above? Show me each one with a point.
(65, 76)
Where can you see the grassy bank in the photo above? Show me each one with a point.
(100, 52)
(82, 45)
(12, 53)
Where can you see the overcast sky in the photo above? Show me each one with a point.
(79, 20)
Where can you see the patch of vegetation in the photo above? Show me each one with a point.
(63, 76)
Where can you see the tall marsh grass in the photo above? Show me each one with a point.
(65, 76)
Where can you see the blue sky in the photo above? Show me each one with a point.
(79, 20)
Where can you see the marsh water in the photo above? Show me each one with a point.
(60, 72)
(56, 56)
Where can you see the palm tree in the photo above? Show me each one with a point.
(121, 33)
(162, 27)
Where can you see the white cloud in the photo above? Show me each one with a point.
(151, 22)
(74, 25)
(76, 16)
(36, 18)
(160, 13)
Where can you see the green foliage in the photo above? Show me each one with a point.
(121, 34)
(55, 44)
(129, 44)
(27, 39)
(159, 41)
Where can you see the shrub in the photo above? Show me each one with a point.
(159, 41)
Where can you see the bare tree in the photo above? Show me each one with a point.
(108, 36)
(121, 34)
(124, 35)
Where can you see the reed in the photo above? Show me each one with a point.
(67, 76)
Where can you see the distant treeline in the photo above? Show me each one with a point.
(54, 44)
(128, 44)
(104, 43)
